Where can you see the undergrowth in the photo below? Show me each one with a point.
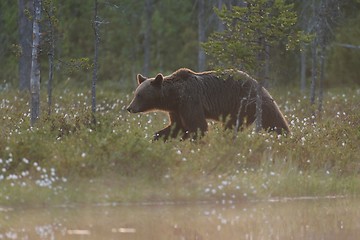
(68, 158)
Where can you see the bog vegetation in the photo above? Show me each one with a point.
(65, 158)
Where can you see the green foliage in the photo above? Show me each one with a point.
(68, 158)
(342, 67)
(28, 14)
(249, 30)
(16, 49)
(8, 39)
(80, 64)
(51, 12)
(167, 25)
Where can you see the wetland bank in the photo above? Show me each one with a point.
(66, 161)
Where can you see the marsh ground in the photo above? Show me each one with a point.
(65, 158)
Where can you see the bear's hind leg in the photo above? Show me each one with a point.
(273, 120)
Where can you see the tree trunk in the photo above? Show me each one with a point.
(25, 39)
(51, 59)
(241, 3)
(262, 76)
(51, 71)
(147, 36)
(314, 59)
(201, 33)
(258, 120)
(220, 25)
(267, 67)
(35, 66)
(303, 68)
(96, 45)
(321, 79)
(313, 73)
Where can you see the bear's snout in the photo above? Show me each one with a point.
(129, 109)
(132, 109)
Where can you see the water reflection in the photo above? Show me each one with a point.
(291, 219)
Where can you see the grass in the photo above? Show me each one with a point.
(67, 159)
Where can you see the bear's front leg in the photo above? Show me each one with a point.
(193, 119)
(164, 134)
(170, 131)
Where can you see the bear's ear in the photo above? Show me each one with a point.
(140, 79)
(158, 80)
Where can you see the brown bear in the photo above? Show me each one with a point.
(190, 98)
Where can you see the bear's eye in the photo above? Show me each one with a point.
(138, 95)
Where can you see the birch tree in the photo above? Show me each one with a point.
(35, 66)
(96, 23)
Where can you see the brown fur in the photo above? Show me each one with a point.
(190, 98)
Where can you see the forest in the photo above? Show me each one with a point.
(164, 35)
(307, 51)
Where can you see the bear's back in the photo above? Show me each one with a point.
(220, 94)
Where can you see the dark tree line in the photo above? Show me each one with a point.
(144, 36)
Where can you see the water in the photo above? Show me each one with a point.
(284, 219)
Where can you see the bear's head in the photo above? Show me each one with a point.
(147, 95)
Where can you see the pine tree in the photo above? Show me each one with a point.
(251, 31)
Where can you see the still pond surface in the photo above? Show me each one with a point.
(303, 218)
